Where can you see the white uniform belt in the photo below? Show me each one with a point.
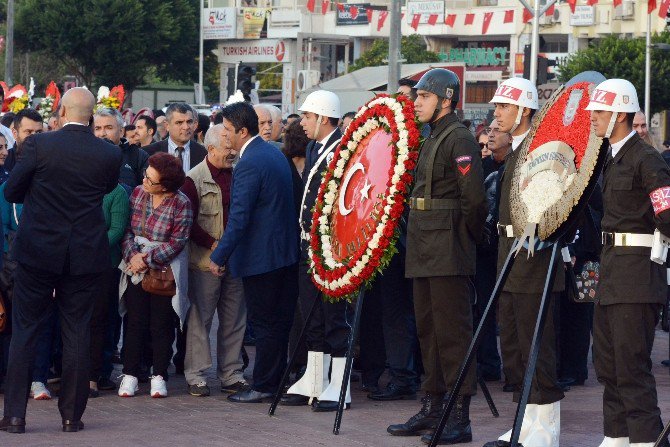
(628, 239)
(505, 230)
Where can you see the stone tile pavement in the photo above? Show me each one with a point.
(183, 420)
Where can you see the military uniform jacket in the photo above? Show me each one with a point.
(441, 242)
(636, 195)
(311, 190)
(528, 275)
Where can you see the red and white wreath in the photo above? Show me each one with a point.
(342, 278)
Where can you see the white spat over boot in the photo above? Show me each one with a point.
(328, 400)
(615, 442)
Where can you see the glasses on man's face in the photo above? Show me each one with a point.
(3, 147)
(482, 145)
(151, 182)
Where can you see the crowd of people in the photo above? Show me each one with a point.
(205, 216)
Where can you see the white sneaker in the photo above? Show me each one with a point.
(39, 392)
(158, 387)
(128, 386)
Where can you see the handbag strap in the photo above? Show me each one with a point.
(144, 216)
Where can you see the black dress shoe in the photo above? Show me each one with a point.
(13, 425)
(250, 397)
(72, 426)
(665, 363)
(93, 393)
(507, 388)
(322, 406)
(394, 392)
(104, 384)
(294, 400)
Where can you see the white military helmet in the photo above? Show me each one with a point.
(323, 103)
(614, 95)
(518, 91)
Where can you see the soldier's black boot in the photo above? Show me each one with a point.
(457, 430)
(422, 422)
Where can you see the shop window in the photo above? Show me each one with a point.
(480, 92)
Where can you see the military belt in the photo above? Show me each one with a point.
(423, 204)
(627, 239)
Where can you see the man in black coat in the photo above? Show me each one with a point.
(61, 245)
(180, 125)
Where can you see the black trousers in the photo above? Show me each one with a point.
(576, 321)
(488, 358)
(270, 299)
(443, 308)
(100, 324)
(517, 315)
(33, 292)
(623, 336)
(328, 329)
(388, 328)
(144, 310)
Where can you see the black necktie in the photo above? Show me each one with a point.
(180, 154)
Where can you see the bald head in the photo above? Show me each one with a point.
(77, 105)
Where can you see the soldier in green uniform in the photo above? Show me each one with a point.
(632, 287)
(447, 214)
(515, 101)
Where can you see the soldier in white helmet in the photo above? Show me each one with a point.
(515, 103)
(633, 287)
(329, 327)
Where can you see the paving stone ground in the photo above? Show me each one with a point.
(183, 420)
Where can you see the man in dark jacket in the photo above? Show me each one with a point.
(61, 245)
(447, 214)
(181, 126)
(26, 123)
(633, 281)
(108, 124)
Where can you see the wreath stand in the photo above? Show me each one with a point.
(534, 347)
(349, 362)
(663, 436)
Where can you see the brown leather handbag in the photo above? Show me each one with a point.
(157, 281)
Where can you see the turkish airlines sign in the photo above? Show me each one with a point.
(264, 50)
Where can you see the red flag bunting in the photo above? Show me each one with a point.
(550, 11)
(353, 12)
(591, 2)
(487, 21)
(310, 5)
(509, 16)
(432, 19)
(617, 3)
(450, 20)
(572, 4)
(415, 21)
(469, 19)
(663, 9)
(368, 12)
(325, 4)
(382, 18)
(340, 7)
(527, 15)
(651, 5)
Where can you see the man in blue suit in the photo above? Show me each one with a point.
(260, 244)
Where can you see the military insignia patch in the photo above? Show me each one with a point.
(660, 199)
(449, 93)
(464, 163)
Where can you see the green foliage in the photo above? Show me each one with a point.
(113, 41)
(413, 49)
(616, 57)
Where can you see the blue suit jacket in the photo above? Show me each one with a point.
(260, 235)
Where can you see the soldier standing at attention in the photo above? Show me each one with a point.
(446, 219)
(515, 101)
(632, 288)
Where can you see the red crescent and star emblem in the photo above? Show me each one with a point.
(357, 210)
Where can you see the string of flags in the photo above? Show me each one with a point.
(469, 18)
